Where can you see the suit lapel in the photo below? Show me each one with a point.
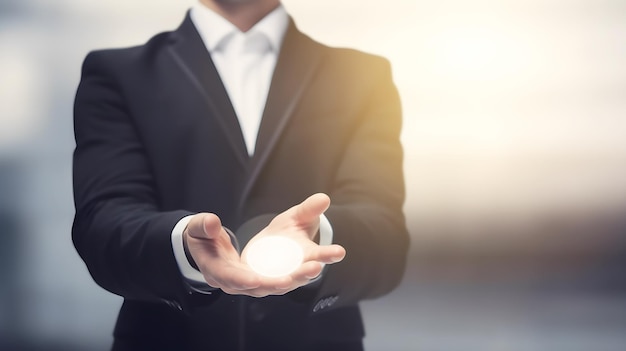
(297, 62)
(191, 55)
(296, 65)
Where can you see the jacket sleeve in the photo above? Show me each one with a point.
(367, 198)
(119, 231)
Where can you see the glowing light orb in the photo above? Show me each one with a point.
(274, 256)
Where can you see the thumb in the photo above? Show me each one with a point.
(204, 226)
(312, 207)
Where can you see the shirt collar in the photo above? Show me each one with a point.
(214, 29)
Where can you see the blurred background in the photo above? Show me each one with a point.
(515, 162)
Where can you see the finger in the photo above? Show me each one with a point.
(311, 208)
(212, 226)
(306, 272)
(275, 283)
(252, 293)
(268, 286)
(277, 286)
(236, 278)
(327, 254)
(281, 283)
(204, 226)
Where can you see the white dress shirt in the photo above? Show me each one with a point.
(245, 62)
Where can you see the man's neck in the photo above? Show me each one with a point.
(243, 14)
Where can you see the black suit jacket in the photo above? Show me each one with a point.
(157, 139)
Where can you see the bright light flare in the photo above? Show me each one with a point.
(274, 256)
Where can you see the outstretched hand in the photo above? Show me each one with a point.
(223, 268)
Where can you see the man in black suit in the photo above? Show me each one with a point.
(174, 153)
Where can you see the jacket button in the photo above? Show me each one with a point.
(332, 300)
(325, 302)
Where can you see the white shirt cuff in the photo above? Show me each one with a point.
(185, 267)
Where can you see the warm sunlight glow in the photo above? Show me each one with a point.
(478, 50)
